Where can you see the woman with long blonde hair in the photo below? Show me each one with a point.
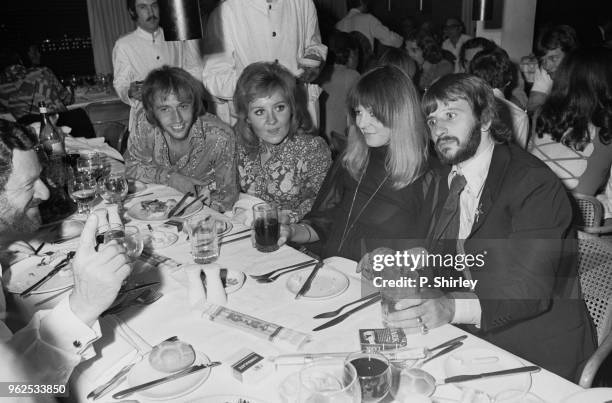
(378, 188)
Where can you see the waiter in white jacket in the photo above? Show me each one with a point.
(242, 32)
(145, 49)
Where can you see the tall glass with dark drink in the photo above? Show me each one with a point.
(374, 374)
(266, 226)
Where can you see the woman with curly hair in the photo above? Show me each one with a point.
(574, 127)
(280, 159)
(430, 57)
(377, 189)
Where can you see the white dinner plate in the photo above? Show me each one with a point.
(138, 213)
(594, 395)
(234, 280)
(471, 361)
(27, 272)
(225, 399)
(328, 283)
(143, 372)
(158, 239)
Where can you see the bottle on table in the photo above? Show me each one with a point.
(50, 137)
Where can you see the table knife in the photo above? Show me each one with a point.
(63, 263)
(308, 282)
(340, 318)
(184, 209)
(465, 378)
(178, 205)
(148, 385)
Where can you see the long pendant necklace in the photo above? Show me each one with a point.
(347, 228)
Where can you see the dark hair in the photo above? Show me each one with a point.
(476, 92)
(13, 136)
(167, 80)
(358, 3)
(262, 79)
(432, 51)
(399, 58)
(493, 66)
(131, 6)
(340, 46)
(559, 36)
(477, 42)
(581, 94)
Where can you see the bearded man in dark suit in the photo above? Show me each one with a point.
(499, 202)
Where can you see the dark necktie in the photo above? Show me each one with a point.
(448, 222)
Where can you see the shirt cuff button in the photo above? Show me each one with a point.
(77, 344)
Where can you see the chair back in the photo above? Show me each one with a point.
(595, 270)
(589, 211)
(110, 120)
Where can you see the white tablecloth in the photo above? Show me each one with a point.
(273, 302)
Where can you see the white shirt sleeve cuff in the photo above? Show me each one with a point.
(62, 329)
(467, 308)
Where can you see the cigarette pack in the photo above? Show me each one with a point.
(382, 339)
(249, 367)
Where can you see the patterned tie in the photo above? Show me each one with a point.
(448, 222)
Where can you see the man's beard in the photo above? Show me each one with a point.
(14, 220)
(464, 151)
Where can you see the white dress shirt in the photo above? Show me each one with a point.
(370, 27)
(139, 52)
(456, 49)
(475, 170)
(243, 32)
(52, 344)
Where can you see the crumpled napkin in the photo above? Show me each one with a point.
(242, 212)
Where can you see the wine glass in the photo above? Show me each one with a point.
(374, 374)
(113, 188)
(91, 164)
(329, 380)
(82, 188)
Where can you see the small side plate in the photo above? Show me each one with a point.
(328, 283)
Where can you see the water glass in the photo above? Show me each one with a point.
(204, 239)
(329, 380)
(113, 188)
(91, 164)
(266, 226)
(115, 232)
(82, 188)
(134, 242)
(374, 374)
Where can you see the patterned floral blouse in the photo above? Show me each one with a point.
(212, 157)
(291, 177)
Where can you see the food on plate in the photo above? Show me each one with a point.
(172, 356)
(157, 208)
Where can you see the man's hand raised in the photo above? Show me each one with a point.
(98, 276)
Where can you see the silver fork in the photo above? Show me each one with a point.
(273, 278)
(271, 273)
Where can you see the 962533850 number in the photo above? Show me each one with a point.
(12, 389)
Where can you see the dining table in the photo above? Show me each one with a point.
(275, 302)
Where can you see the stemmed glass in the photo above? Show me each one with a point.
(113, 188)
(329, 380)
(92, 164)
(82, 188)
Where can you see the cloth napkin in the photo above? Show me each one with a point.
(242, 212)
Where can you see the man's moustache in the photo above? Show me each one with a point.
(446, 138)
(152, 19)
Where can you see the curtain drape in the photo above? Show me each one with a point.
(108, 20)
(466, 15)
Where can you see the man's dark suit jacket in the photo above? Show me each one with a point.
(528, 288)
